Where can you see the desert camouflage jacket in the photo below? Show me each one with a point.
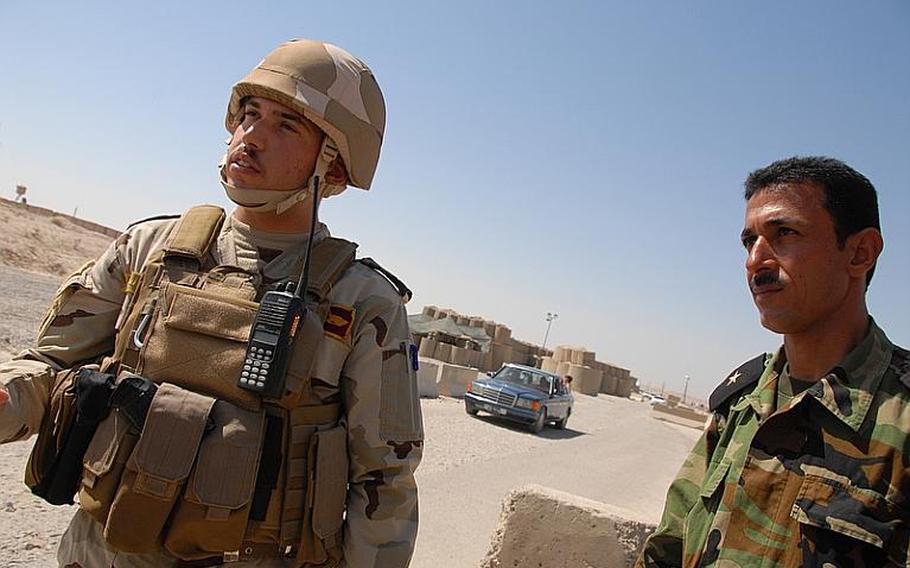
(823, 480)
(360, 368)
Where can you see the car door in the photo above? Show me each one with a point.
(559, 402)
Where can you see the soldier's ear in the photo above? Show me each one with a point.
(864, 248)
(337, 174)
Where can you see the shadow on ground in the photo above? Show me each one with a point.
(549, 432)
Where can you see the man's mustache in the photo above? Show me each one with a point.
(249, 153)
(764, 278)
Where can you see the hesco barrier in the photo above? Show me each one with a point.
(585, 380)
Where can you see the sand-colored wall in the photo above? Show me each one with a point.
(549, 365)
(427, 347)
(545, 527)
(624, 386)
(585, 380)
(443, 351)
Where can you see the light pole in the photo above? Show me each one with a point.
(550, 317)
(685, 389)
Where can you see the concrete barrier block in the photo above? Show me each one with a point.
(454, 379)
(545, 527)
(549, 365)
(679, 415)
(428, 377)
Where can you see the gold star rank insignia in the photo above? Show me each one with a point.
(732, 378)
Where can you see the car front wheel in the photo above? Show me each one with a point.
(537, 425)
(561, 424)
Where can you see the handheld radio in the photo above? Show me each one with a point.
(274, 328)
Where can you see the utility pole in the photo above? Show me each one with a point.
(550, 317)
(685, 389)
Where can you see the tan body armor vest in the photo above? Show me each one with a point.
(216, 470)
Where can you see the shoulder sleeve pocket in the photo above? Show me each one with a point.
(400, 417)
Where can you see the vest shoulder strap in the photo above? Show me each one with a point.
(195, 232)
(331, 259)
(742, 378)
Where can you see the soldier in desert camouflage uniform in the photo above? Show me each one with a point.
(804, 461)
(300, 103)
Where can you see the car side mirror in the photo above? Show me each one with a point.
(489, 373)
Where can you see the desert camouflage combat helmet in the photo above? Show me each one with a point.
(329, 86)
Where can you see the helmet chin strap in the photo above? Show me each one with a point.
(280, 200)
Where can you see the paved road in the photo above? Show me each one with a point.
(613, 452)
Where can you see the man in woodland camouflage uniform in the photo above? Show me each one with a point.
(804, 461)
(308, 110)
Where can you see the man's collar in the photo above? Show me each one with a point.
(846, 391)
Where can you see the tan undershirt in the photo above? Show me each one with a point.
(274, 255)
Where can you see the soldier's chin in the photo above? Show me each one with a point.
(775, 322)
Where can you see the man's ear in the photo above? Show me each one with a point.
(864, 247)
(337, 174)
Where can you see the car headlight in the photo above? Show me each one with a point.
(528, 403)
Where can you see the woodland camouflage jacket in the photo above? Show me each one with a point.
(821, 481)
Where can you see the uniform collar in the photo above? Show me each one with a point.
(846, 391)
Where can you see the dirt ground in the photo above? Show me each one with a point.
(612, 451)
(38, 242)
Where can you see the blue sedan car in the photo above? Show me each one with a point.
(522, 394)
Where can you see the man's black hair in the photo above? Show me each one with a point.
(850, 197)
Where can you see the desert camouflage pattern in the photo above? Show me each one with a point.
(366, 367)
(329, 86)
(821, 481)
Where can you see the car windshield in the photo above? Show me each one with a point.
(524, 378)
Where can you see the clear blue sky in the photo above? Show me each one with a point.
(579, 157)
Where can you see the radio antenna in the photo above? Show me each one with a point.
(304, 279)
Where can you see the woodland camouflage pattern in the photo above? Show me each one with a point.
(822, 481)
(367, 369)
